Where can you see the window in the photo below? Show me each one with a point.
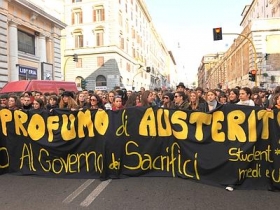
(122, 43)
(79, 64)
(77, 17)
(79, 40)
(100, 61)
(75, 1)
(101, 81)
(98, 14)
(26, 42)
(99, 36)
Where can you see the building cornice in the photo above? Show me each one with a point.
(40, 12)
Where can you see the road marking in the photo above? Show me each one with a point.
(78, 191)
(91, 197)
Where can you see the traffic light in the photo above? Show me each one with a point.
(75, 58)
(252, 75)
(148, 69)
(217, 33)
(83, 84)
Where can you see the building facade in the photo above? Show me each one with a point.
(116, 44)
(257, 47)
(29, 42)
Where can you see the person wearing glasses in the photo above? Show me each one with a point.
(167, 99)
(96, 102)
(181, 100)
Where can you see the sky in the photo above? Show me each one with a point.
(186, 27)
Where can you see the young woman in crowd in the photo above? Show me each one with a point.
(53, 103)
(132, 100)
(95, 102)
(233, 96)
(276, 101)
(14, 103)
(147, 99)
(194, 101)
(222, 98)
(81, 101)
(211, 102)
(38, 104)
(67, 101)
(117, 103)
(111, 96)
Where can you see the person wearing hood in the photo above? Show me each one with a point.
(168, 100)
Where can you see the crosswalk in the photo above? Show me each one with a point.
(92, 195)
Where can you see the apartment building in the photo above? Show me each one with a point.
(116, 45)
(29, 42)
(256, 48)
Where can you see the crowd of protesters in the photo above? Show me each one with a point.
(182, 98)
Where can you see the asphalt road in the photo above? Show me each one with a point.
(33, 192)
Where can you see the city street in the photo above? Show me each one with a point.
(33, 192)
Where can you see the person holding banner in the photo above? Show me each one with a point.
(245, 94)
(96, 102)
(67, 101)
(117, 103)
(14, 103)
(147, 99)
(181, 100)
(276, 101)
(211, 102)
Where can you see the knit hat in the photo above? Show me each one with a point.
(169, 95)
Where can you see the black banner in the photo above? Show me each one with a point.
(235, 145)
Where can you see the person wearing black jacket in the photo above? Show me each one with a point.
(211, 102)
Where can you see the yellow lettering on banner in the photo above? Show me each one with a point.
(6, 154)
(101, 122)
(72, 163)
(179, 118)
(147, 125)
(171, 162)
(235, 131)
(275, 176)
(36, 127)
(250, 172)
(5, 116)
(265, 116)
(278, 118)
(20, 118)
(252, 127)
(27, 152)
(161, 130)
(68, 134)
(84, 120)
(256, 155)
(217, 136)
(47, 161)
(53, 124)
(134, 154)
(200, 119)
(115, 164)
(123, 128)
